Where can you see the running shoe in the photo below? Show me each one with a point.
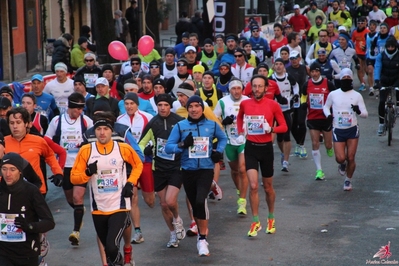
(202, 247)
(193, 230)
(255, 227)
(222, 165)
(42, 262)
(381, 130)
(179, 229)
(296, 151)
(330, 152)
(281, 158)
(362, 87)
(217, 191)
(173, 241)
(371, 91)
(285, 166)
(44, 246)
(271, 227)
(319, 175)
(242, 203)
(137, 238)
(74, 238)
(347, 185)
(342, 169)
(127, 256)
(302, 152)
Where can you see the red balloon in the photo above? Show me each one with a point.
(118, 50)
(145, 45)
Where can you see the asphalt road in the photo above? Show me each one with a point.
(317, 222)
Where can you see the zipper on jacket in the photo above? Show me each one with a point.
(9, 202)
(199, 134)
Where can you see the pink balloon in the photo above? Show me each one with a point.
(118, 50)
(145, 45)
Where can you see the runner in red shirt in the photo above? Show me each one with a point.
(279, 39)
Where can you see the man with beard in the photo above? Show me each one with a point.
(321, 43)
(279, 39)
(346, 105)
(255, 117)
(313, 34)
(191, 57)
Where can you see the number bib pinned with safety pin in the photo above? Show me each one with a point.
(200, 149)
(254, 124)
(9, 232)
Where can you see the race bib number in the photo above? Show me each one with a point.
(259, 54)
(161, 150)
(233, 131)
(200, 149)
(90, 80)
(345, 119)
(9, 232)
(254, 124)
(316, 100)
(107, 181)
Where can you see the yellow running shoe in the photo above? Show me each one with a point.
(271, 228)
(255, 227)
(242, 204)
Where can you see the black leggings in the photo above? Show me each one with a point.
(197, 184)
(109, 230)
(298, 128)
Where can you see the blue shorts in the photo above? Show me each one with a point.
(342, 135)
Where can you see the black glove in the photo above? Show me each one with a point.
(283, 100)
(372, 52)
(148, 150)
(357, 67)
(57, 179)
(127, 190)
(356, 109)
(209, 102)
(304, 106)
(216, 156)
(91, 169)
(330, 119)
(187, 142)
(21, 222)
(377, 85)
(228, 120)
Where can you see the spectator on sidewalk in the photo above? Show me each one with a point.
(182, 26)
(78, 53)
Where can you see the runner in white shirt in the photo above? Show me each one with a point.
(346, 103)
(67, 130)
(61, 87)
(227, 109)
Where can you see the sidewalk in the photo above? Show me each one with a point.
(167, 39)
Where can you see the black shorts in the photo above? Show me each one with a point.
(342, 135)
(319, 124)
(167, 178)
(287, 135)
(370, 62)
(361, 56)
(259, 154)
(66, 181)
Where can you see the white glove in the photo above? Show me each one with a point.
(267, 127)
(240, 139)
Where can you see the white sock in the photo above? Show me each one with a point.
(317, 159)
(172, 233)
(347, 178)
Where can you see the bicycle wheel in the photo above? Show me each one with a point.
(390, 118)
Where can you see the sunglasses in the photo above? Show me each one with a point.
(293, 58)
(238, 55)
(181, 65)
(135, 63)
(89, 60)
(154, 66)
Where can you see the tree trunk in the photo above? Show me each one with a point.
(152, 23)
(102, 28)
